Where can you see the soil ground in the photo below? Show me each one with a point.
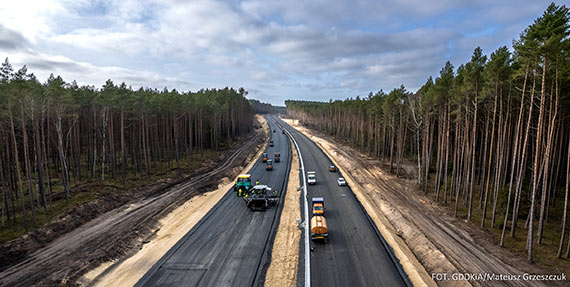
(441, 242)
(114, 226)
(285, 253)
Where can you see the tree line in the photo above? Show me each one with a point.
(492, 133)
(55, 134)
(261, 108)
(266, 108)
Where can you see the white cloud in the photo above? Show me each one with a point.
(88, 74)
(334, 47)
(35, 18)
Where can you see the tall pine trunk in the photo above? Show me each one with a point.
(518, 188)
(103, 141)
(40, 164)
(564, 214)
(491, 152)
(472, 153)
(62, 156)
(18, 170)
(514, 157)
(537, 156)
(123, 154)
(549, 141)
(28, 167)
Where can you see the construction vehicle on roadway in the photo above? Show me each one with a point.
(243, 181)
(319, 230)
(260, 198)
(318, 206)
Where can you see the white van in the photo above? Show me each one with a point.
(311, 177)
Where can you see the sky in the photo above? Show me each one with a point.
(276, 50)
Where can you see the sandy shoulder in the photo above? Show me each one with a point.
(285, 253)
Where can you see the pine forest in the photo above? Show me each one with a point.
(488, 138)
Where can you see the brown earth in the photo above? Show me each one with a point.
(441, 242)
(285, 253)
(113, 226)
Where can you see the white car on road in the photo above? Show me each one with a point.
(311, 177)
(341, 181)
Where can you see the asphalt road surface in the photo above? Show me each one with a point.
(229, 246)
(354, 254)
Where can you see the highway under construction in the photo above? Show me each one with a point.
(231, 245)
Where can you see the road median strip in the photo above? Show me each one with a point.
(285, 253)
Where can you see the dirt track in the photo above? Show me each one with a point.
(120, 231)
(441, 242)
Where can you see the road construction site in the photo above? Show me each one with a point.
(120, 233)
(355, 253)
(233, 243)
(433, 237)
(230, 241)
(230, 245)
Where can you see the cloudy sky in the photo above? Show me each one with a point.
(277, 50)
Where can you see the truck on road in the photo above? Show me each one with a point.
(319, 230)
(311, 177)
(318, 206)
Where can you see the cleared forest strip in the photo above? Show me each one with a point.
(440, 242)
(171, 229)
(120, 231)
(285, 253)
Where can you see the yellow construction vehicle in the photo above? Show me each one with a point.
(243, 181)
(319, 230)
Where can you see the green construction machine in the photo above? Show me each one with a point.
(244, 182)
